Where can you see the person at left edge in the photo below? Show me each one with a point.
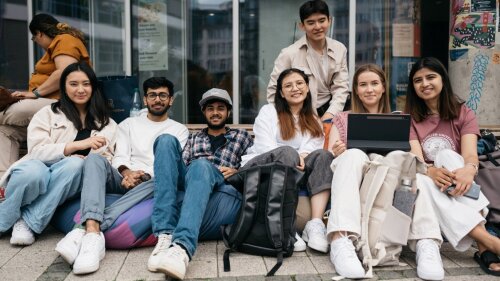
(63, 45)
(130, 172)
(59, 137)
(197, 173)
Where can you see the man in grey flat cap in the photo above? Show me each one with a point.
(192, 199)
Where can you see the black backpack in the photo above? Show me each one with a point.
(265, 224)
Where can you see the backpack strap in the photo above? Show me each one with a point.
(274, 204)
(227, 263)
(370, 190)
(277, 265)
(241, 228)
(492, 160)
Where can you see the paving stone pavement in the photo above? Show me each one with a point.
(40, 262)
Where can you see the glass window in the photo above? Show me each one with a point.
(14, 67)
(387, 34)
(102, 22)
(266, 27)
(196, 34)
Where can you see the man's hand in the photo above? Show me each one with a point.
(227, 172)
(131, 178)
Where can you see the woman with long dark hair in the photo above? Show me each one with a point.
(289, 132)
(444, 133)
(63, 45)
(59, 137)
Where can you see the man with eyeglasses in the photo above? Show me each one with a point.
(130, 172)
(192, 199)
(322, 58)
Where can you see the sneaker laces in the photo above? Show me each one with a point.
(90, 243)
(427, 248)
(317, 227)
(346, 246)
(164, 242)
(21, 226)
(177, 252)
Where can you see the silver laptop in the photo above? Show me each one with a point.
(380, 133)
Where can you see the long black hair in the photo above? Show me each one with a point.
(97, 109)
(308, 119)
(448, 103)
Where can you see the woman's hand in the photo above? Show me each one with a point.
(302, 164)
(23, 95)
(463, 180)
(338, 148)
(93, 143)
(441, 177)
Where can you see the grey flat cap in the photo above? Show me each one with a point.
(216, 94)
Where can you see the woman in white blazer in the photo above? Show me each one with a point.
(59, 137)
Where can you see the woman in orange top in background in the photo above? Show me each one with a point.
(63, 46)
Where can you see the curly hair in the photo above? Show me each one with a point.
(51, 27)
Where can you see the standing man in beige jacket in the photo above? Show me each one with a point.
(323, 59)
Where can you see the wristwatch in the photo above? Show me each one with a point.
(37, 93)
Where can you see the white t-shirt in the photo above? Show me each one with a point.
(135, 139)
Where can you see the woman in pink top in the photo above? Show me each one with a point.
(444, 133)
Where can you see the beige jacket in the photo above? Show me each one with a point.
(296, 56)
(48, 134)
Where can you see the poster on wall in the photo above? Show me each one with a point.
(405, 40)
(474, 24)
(152, 29)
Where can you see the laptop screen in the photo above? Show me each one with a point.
(378, 132)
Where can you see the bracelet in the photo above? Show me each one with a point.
(474, 165)
(37, 93)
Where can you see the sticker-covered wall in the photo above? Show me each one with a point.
(474, 61)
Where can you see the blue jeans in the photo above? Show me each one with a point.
(185, 199)
(35, 189)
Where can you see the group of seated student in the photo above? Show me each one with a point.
(76, 150)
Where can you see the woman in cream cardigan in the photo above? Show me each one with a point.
(59, 137)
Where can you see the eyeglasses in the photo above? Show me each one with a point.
(299, 84)
(152, 96)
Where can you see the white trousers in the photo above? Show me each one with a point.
(457, 216)
(13, 124)
(345, 215)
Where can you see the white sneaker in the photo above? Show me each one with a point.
(299, 245)
(344, 258)
(69, 246)
(164, 242)
(22, 234)
(92, 251)
(315, 235)
(174, 262)
(429, 263)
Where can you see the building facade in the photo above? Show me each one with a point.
(230, 44)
